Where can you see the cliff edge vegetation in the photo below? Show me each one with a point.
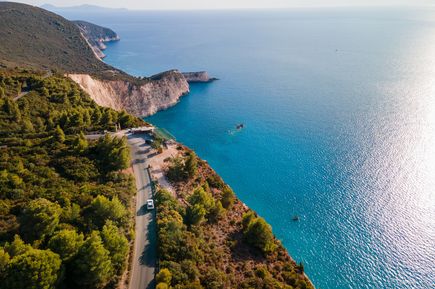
(207, 238)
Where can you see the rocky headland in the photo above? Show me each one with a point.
(141, 99)
(96, 36)
(199, 76)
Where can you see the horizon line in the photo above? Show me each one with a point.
(240, 8)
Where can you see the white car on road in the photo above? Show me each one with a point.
(150, 204)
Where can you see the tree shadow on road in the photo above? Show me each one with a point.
(142, 210)
(152, 284)
(138, 161)
(142, 152)
(149, 254)
(146, 186)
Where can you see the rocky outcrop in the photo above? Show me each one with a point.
(200, 76)
(96, 36)
(142, 99)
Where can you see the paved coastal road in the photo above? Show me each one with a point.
(145, 250)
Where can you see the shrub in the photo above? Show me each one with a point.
(217, 212)
(59, 135)
(164, 276)
(228, 197)
(201, 197)
(176, 170)
(162, 286)
(259, 234)
(195, 214)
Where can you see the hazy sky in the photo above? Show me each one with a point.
(222, 4)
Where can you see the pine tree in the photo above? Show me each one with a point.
(92, 267)
(191, 166)
(39, 219)
(117, 244)
(59, 135)
(35, 269)
(66, 243)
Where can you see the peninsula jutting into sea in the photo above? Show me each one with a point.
(73, 149)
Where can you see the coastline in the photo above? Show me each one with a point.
(158, 165)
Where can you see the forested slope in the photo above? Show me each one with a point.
(65, 201)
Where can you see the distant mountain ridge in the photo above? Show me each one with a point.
(85, 7)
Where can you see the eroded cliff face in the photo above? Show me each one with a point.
(96, 36)
(199, 76)
(154, 94)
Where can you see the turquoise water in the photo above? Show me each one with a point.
(339, 114)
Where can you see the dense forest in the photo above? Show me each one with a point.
(207, 238)
(65, 201)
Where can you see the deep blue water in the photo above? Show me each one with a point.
(339, 114)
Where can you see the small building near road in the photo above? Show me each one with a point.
(143, 129)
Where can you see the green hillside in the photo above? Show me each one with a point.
(34, 38)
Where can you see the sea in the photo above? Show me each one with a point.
(338, 108)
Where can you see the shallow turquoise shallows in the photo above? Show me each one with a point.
(339, 114)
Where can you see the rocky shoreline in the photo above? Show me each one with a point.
(199, 76)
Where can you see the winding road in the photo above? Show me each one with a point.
(145, 247)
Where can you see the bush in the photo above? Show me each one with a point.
(59, 135)
(162, 286)
(259, 234)
(164, 276)
(228, 197)
(195, 214)
(176, 170)
(217, 212)
(214, 279)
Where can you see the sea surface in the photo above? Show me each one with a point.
(339, 114)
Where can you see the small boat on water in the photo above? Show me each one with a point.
(295, 218)
(240, 126)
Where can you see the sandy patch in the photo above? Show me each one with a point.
(159, 165)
